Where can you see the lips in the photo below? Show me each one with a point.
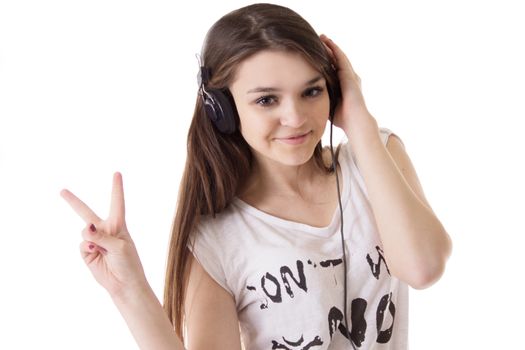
(295, 136)
(295, 139)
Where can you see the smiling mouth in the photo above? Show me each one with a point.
(293, 137)
(294, 140)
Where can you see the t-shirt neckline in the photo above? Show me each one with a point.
(325, 231)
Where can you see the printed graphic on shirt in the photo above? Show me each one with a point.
(296, 345)
(376, 268)
(290, 280)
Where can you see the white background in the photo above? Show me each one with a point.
(88, 88)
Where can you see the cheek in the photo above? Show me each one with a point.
(321, 112)
(254, 124)
(326, 106)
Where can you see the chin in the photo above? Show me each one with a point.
(294, 157)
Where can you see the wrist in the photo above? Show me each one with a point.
(132, 294)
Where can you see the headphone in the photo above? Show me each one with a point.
(220, 106)
(220, 109)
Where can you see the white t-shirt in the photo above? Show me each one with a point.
(287, 278)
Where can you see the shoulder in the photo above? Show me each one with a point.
(389, 138)
(221, 227)
(394, 145)
(210, 249)
(396, 149)
(209, 223)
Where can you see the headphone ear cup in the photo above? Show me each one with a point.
(220, 110)
(335, 97)
(333, 105)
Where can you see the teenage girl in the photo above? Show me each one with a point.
(277, 242)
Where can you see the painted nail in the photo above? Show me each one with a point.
(91, 246)
(92, 228)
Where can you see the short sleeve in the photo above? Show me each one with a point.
(207, 250)
(385, 133)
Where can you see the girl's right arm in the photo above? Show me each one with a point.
(211, 316)
(147, 320)
(110, 254)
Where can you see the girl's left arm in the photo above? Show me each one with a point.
(415, 242)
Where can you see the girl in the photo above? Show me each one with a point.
(259, 251)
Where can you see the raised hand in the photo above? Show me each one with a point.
(352, 113)
(107, 249)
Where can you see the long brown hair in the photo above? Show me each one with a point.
(216, 163)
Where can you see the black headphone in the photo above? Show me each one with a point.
(220, 106)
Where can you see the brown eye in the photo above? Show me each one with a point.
(266, 100)
(313, 92)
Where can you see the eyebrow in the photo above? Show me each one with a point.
(272, 89)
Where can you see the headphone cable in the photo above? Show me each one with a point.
(334, 165)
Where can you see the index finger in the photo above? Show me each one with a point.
(80, 207)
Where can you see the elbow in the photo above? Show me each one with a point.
(426, 278)
(428, 272)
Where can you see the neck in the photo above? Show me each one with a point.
(272, 178)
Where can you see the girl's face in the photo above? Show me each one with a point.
(283, 106)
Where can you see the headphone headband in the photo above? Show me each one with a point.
(203, 77)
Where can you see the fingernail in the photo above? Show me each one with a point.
(91, 246)
(92, 228)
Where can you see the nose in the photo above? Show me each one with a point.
(293, 114)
